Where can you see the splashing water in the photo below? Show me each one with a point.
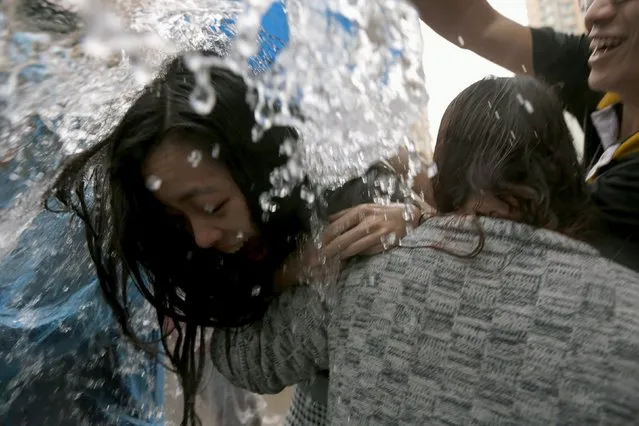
(153, 183)
(350, 68)
(215, 152)
(194, 158)
(359, 101)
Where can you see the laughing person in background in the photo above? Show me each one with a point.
(597, 78)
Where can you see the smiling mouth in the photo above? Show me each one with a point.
(231, 249)
(235, 247)
(601, 46)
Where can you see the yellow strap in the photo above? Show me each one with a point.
(609, 99)
(629, 146)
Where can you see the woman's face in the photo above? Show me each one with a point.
(199, 189)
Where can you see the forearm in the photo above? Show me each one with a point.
(447, 18)
(475, 25)
(284, 348)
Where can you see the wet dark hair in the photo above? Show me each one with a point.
(507, 138)
(132, 238)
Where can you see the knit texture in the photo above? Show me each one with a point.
(305, 410)
(538, 329)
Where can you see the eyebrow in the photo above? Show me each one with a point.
(195, 192)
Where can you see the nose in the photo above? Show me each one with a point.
(205, 235)
(599, 12)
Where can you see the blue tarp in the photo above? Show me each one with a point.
(274, 34)
(63, 360)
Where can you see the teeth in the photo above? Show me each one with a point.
(606, 42)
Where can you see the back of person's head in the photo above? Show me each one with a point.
(506, 139)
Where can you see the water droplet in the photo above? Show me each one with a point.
(194, 158)
(255, 291)
(529, 108)
(307, 195)
(432, 170)
(287, 147)
(497, 116)
(389, 240)
(202, 100)
(209, 208)
(245, 48)
(215, 152)
(409, 213)
(239, 235)
(460, 39)
(153, 183)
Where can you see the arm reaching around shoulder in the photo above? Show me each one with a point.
(289, 345)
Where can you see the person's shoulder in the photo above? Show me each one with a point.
(597, 271)
(550, 44)
(613, 288)
(561, 61)
(559, 57)
(623, 277)
(551, 35)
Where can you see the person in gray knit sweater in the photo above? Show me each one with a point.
(494, 311)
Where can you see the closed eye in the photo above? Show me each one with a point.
(212, 209)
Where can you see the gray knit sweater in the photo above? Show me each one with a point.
(538, 329)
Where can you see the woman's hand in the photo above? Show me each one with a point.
(368, 229)
(365, 229)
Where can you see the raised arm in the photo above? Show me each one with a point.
(289, 345)
(476, 26)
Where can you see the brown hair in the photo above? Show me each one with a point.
(507, 137)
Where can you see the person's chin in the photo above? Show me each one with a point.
(601, 81)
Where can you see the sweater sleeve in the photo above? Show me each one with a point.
(287, 346)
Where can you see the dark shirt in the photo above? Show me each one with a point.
(561, 60)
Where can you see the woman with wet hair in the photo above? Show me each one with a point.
(496, 310)
(171, 200)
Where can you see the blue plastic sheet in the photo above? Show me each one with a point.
(63, 360)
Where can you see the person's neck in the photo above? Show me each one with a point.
(488, 205)
(630, 117)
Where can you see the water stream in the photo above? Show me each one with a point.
(69, 69)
